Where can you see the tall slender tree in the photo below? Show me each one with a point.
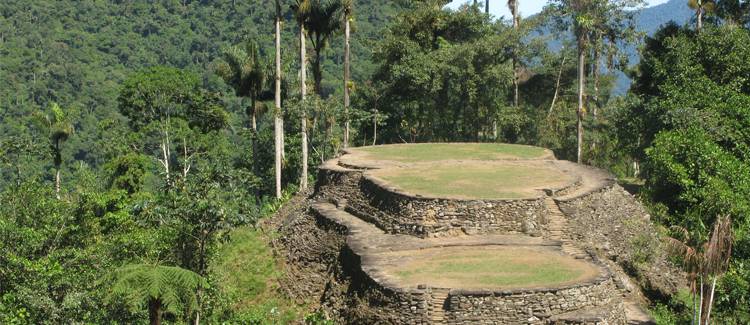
(301, 9)
(59, 128)
(513, 6)
(322, 22)
(704, 263)
(589, 18)
(701, 7)
(278, 126)
(242, 69)
(347, 7)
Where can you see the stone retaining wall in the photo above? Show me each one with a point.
(397, 212)
(530, 306)
(381, 302)
(376, 302)
(433, 216)
(612, 221)
(606, 315)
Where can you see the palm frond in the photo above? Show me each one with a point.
(719, 247)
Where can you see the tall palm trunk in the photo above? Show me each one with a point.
(277, 113)
(513, 6)
(58, 164)
(347, 76)
(700, 19)
(581, 85)
(595, 95)
(303, 92)
(317, 72)
(57, 182)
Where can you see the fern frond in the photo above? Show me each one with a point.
(174, 287)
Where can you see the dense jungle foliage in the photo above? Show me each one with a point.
(127, 158)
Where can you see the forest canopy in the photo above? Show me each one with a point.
(139, 139)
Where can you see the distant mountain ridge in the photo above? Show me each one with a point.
(649, 20)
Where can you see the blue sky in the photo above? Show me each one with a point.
(526, 7)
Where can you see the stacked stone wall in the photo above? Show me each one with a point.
(611, 221)
(397, 212)
(531, 306)
(376, 302)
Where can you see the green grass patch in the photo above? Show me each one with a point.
(444, 151)
(511, 267)
(475, 180)
(246, 273)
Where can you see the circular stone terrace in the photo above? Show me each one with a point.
(466, 186)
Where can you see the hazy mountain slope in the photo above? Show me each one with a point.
(649, 21)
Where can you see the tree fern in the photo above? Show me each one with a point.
(156, 286)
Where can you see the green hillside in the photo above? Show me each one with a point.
(77, 53)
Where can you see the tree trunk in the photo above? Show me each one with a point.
(166, 154)
(595, 74)
(581, 84)
(303, 92)
(557, 85)
(487, 7)
(347, 76)
(154, 311)
(317, 73)
(516, 28)
(700, 19)
(695, 306)
(277, 112)
(700, 310)
(595, 95)
(711, 300)
(57, 182)
(375, 127)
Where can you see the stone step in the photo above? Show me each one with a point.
(437, 313)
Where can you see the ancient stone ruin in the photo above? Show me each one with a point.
(492, 234)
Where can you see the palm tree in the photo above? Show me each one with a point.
(582, 26)
(513, 6)
(278, 123)
(301, 9)
(701, 7)
(717, 256)
(243, 71)
(704, 263)
(159, 287)
(60, 128)
(241, 68)
(323, 21)
(347, 7)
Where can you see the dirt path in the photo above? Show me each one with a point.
(636, 315)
